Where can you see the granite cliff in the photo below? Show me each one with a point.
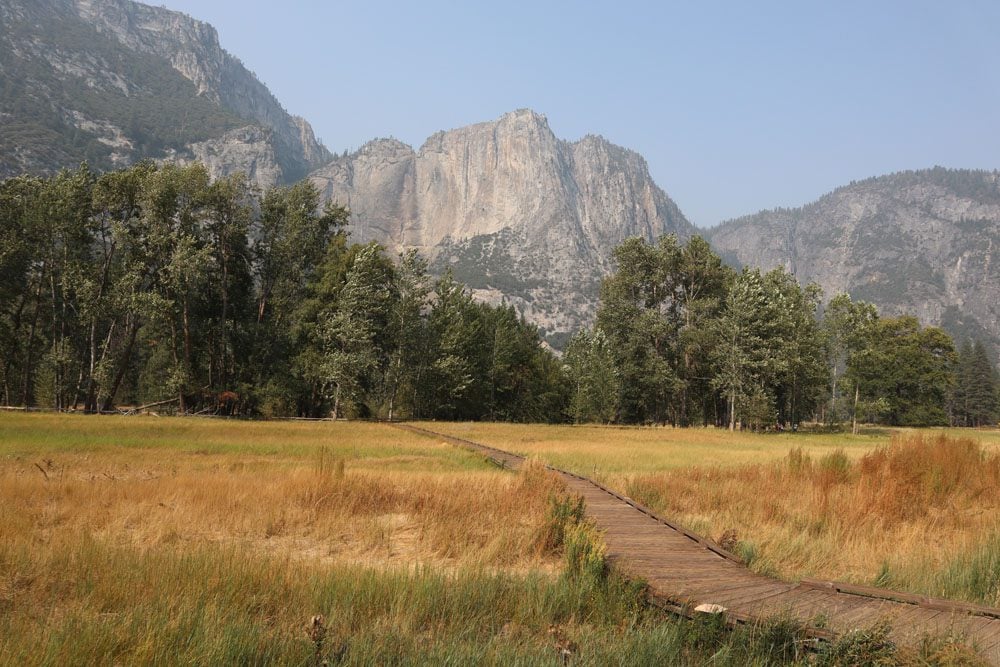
(516, 213)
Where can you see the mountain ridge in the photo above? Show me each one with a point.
(917, 241)
(515, 212)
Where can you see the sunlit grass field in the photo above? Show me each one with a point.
(604, 451)
(911, 509)
(167, 540)
(212, 541)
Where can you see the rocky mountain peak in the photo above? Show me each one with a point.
(388, 147)
(515, 212)
(193, 49)
(191, 46)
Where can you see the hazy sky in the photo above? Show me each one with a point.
(736, 106)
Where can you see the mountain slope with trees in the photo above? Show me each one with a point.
(918, 242)
(115, 81)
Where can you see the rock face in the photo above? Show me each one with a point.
(921, 242)
(248, 149)
(114, 81)
(516, 213)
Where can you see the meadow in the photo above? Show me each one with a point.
(913, 510)
(166, 540)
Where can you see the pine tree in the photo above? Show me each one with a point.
(974, 401)
(741, 357)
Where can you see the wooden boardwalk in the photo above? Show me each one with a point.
(685, 570)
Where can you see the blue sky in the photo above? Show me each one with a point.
(736, 106)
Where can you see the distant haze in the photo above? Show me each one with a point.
(736, 107)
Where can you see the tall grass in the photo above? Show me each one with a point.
(177, 541)
(95, 603)
(612, 453)
(352, 494)
(920, 513)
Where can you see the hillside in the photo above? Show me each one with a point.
(115, 81)
(921, 242)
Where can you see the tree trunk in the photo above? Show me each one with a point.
(173, 349)
(27, 385)
(186, 324)
(90, 403)
(224, 342)
(854, 419)
(11, 353)
(109, 400)
(732, 411)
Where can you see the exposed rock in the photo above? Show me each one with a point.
(516, 213)
(919, 242)
(192, 47)
(249, 149)
(115, 81)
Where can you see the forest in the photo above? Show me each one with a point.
(154, 285)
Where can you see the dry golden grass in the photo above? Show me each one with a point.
(328, 492)
(143, 540)
(921, 514)
(614, 453)
(902, 515)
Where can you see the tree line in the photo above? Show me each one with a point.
(156, 285)
(681, 338)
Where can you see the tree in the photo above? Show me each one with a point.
(851, 333)
(407, 364)
(113, 296)
(742, 357)
(349, 333)
(797, 347)
(300, 264)
(700, 290)
(638, 316)
(909, 369)
(974, 399)
(229, 211)
(456, 385)
(180, 256)
(593, 378)
(291, 241)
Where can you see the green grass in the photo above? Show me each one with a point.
(104, 604)
(146, 438)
